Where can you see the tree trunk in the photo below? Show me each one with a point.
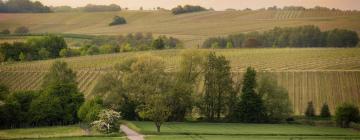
(158, 127)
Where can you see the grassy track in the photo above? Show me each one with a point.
(236, 131)
(330, 75)
(192, 28)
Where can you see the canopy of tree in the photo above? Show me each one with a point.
(23, 6)
(187, 9)
(303, 36)
(34, 48)
(56, 103)
(101, 8)
(117, 21)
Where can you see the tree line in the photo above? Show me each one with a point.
(88, 8)
(53, 46)
(23, 6)
(203, 85)
(302, 36)
(187, 9)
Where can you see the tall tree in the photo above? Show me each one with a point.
(218, 86)
(251, 107)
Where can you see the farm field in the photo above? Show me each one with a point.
(192, 28)
(215, 131)
(310, 74)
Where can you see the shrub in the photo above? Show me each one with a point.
(325, 112)
(158, 44)
(5, 32)
(187, 9)
(90, 110)
(310, 111)
(117, 20)
(108, 121)
(345, 114)
(21, 30)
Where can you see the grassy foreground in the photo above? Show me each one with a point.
(238, 131)
(73, 132)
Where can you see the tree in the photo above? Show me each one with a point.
(345, 114)
(22, 57)
(187, 9)
(89, 111)
(215, 45)
(229, 45)
(66, 52)
(93, 50)
(156, 109)
(21, 30)
(108, 121)
(251, 107)
(325, 111)
(126, 48)
(158, 44)
(106, 49)
(5, 31)
(310, 110)
(43, 53)
(275, 97)
(59, 74)
(117, 20)
(4, 91)
(218, 86)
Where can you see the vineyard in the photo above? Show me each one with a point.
(330, 75)
(192, 28)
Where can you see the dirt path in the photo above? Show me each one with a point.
(131, 134)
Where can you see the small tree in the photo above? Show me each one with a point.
(156, 110)
(108, 121)
(215, 45)
(4, 91)
(325, 112)
(117, 20)
(310, 110)
(22, 30)
(345, 114)
(43, 53)
(89, 111)
(158, 44)
(65, 52)
(229, 45)
(22, 56)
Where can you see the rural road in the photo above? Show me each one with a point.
(131, 134)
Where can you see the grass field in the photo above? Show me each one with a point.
(330, 75)
(45, 132)
(232, 131)
(192, 28)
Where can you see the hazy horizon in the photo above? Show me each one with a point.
(216, 4)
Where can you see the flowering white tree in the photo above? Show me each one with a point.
(108, 121)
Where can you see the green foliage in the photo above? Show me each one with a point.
(4, 92)
(126, 48)
(108, 121)
(229, 45)
(117, 20)
(158, 44)
(22, 56)
(5, 31)
(325, 111)
(156, 109)
(21, 30)
(218, 87)
(310, 110)
(59, 73)
(106, 49)
(89, 111)
(251, 107)
(302, 36)
(17, 109)
(53, 45)
(276, 99)
(23, 6)
(44, 54)
(67, 52)
(187, 9)
(345, 114)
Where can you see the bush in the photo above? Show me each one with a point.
(310, 110)
(90, 110)
(325, 111)
(345, 114)
(21, 30)
(5, 32)
(158, 44)
(117, 20)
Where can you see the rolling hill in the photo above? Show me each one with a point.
(192, 28)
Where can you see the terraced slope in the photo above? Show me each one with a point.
(330, 75)
(192, 28)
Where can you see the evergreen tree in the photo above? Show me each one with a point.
(325, 112)
(251, 108)
(310, 110)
